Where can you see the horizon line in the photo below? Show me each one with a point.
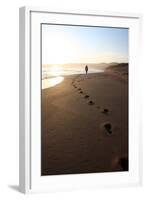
(84, 63)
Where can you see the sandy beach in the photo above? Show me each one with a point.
(85, 125)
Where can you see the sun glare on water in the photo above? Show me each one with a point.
(51, 82)
(55, 70)
(52, 77)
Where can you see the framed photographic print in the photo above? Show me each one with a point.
(79, 100)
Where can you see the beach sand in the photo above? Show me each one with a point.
(85, 125)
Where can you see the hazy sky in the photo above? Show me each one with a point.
(78, 44)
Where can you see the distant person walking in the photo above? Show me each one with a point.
(86, 69)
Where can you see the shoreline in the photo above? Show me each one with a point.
(55, 80)
(63, 77)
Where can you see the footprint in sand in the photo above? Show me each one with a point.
(108, 127)
(79, 89)
(123, 161)
(91, 103)
(105, 111)
(86, 96)
(81, 92)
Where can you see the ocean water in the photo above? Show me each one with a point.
(63, 71)
(54, 75)
(51, 82)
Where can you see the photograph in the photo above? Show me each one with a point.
(84, 99)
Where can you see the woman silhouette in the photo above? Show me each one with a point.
(86, 69)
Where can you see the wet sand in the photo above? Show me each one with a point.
(85, 125)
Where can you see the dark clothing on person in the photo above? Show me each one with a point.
(86, 69)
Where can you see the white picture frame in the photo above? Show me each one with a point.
(29, 160)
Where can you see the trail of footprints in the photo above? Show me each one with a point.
(107, 126)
